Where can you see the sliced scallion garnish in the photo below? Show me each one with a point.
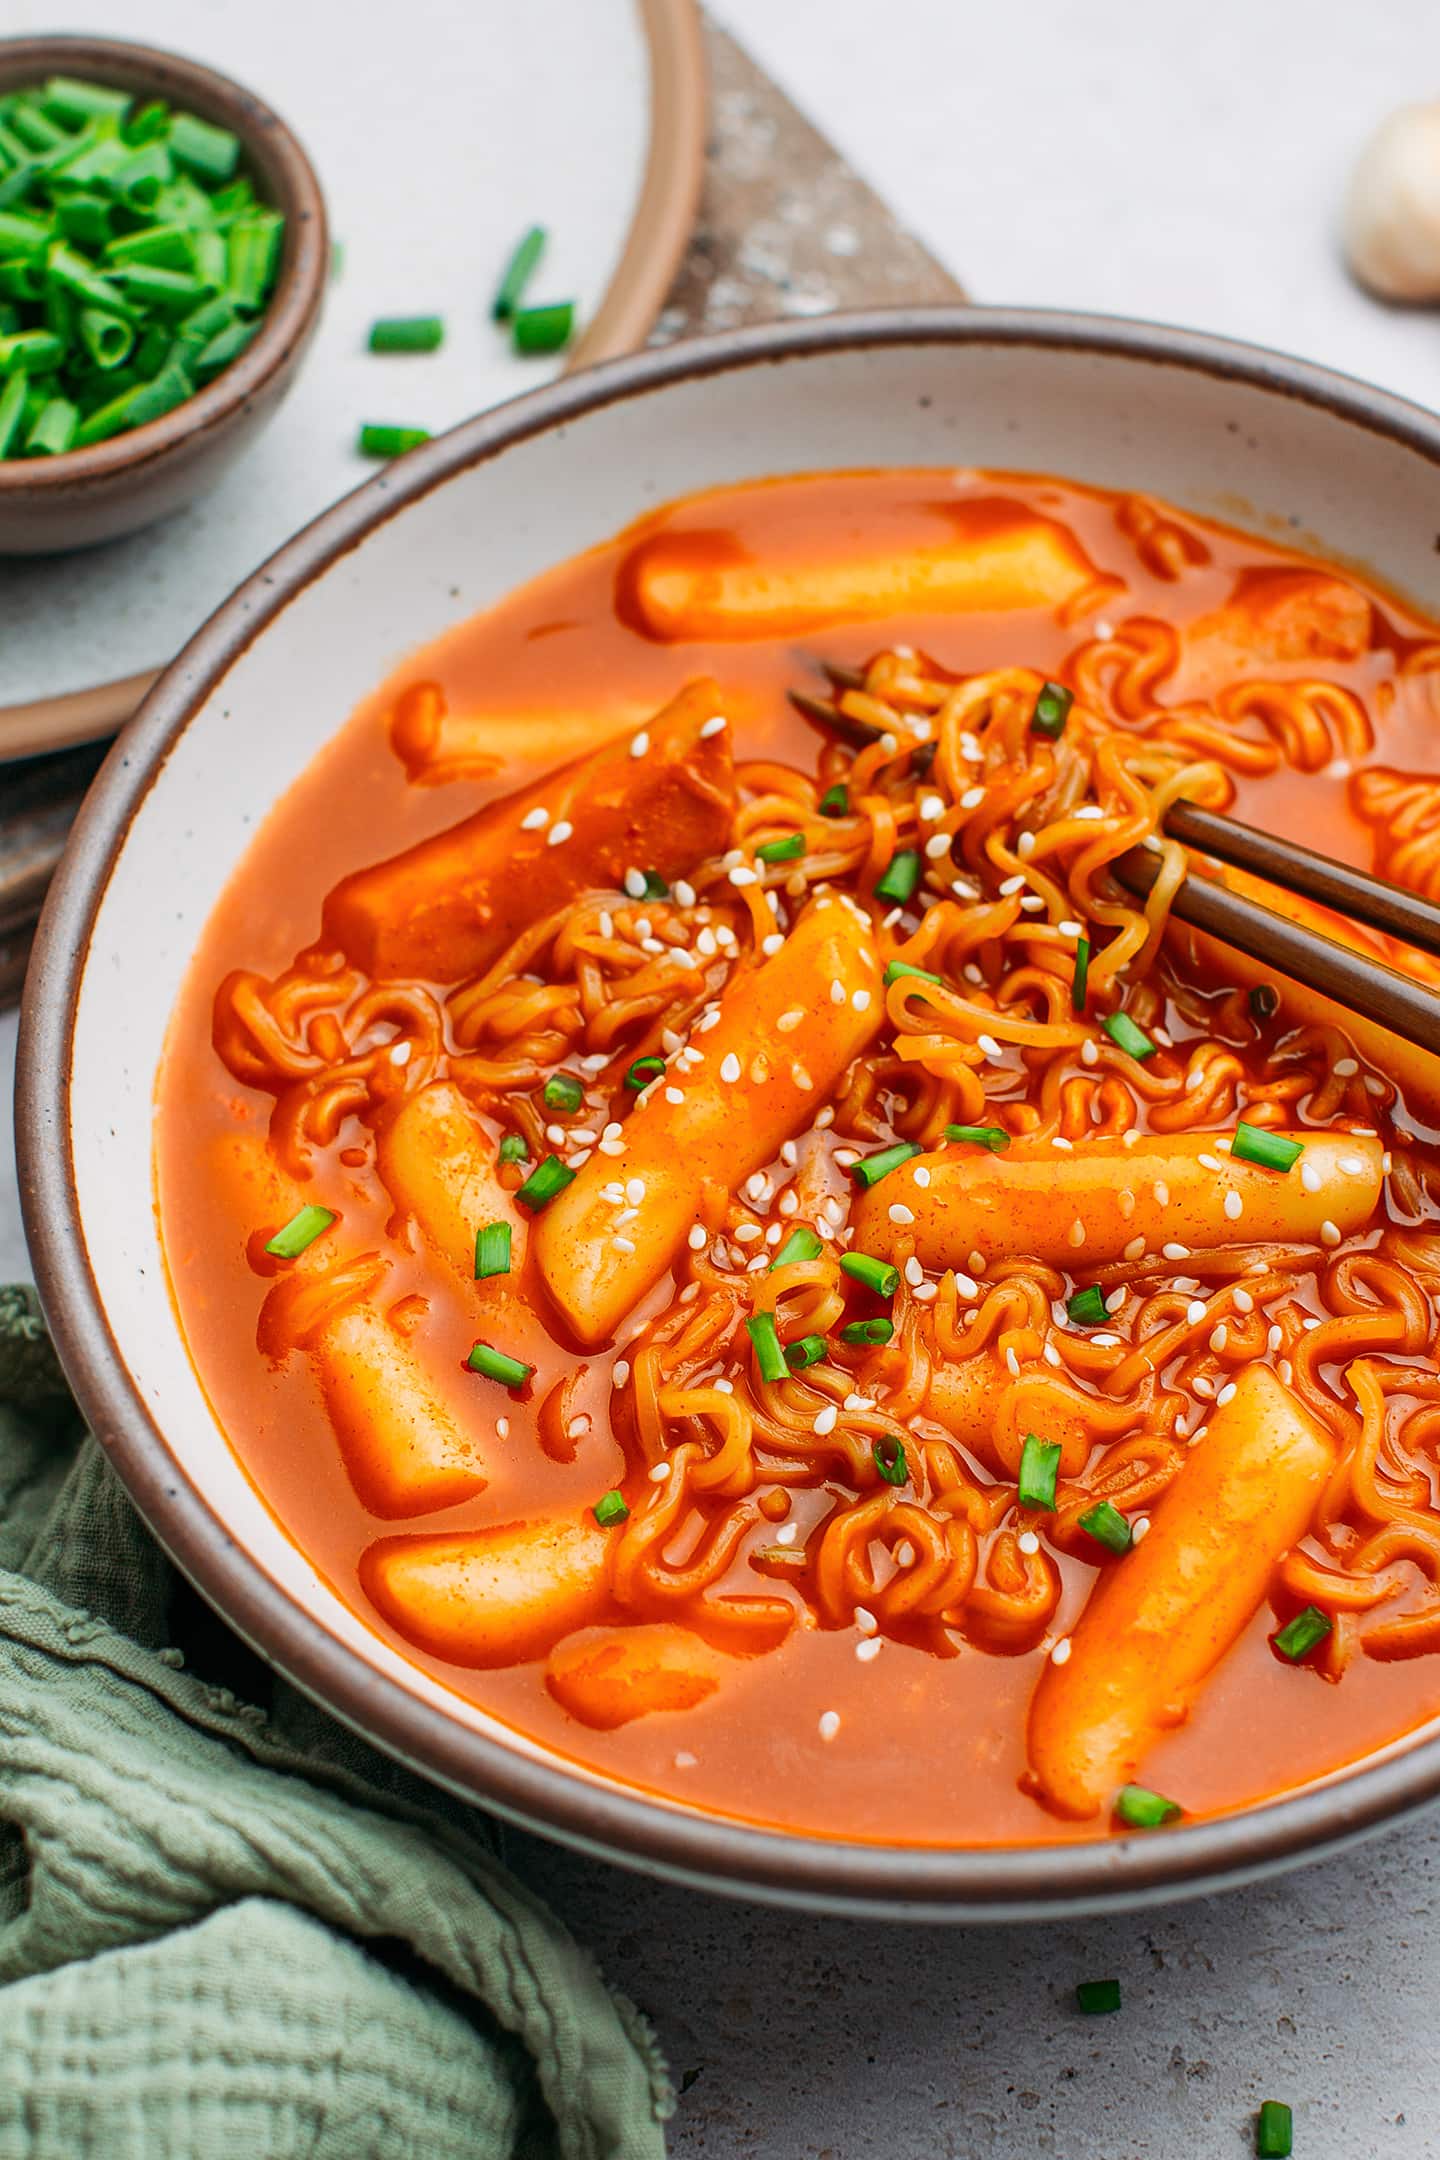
(407, 334)
(1127, 1037)
(492, 1250)
(1039, 1469)
(517, 273)
(835, 802)
(1096, 1998)
(876, 1275)
(643, 1071)
(610, 1508)
(1052, 710)
(870, 1169)
(1271, 1150)
(860, 1332)
(1087, 1307)
(888, 1455)
(897, 968)
(993, 1137)
(655, 885)
(1274, 2131)
(563, 1092)
(1108, 1527)
(899, 881)
(786, 850)
(379, 439)
(513, 1148)
(495, 1365)
(802, 1244)
(1080, 982)
(1301, 1635)
(543, 329)
(1143, 1809)
(808, 1350)
(300, 1232)
(769, 1357)
(544, 1182)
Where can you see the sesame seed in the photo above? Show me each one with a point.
(1071, 929)
(1025, 845)
(972, 973)
(899, 1213)
(1329, 1235)
(1209, 1162)
(1028, 1543)
(1219, 1336)
(1115, 1300)
(620, 1372)
(824, 1420)
(926, 1293)
(1012, 885)
(989, 1045)
(977, 1262)
(860, 1000)
(1050, 1354)
(1077, 1232)
(1032, 904)
(746, 1233)
(920, 1175)
(772, 944)
(824, 1116)
(534, 819)
(612, 1147)
(798, 1074)
(624, 1244)
(857, 1402)
(502, 1427)
(730, 1069)
(1309, 1177)
(1203, 1387)
(787, 1533)
(741, 876)
(581, 1136)
(1274, 1337)
(1089, 1052)
(1139, 1528)
(659, 1474)
(1089, 810)
(829, 1724)
(1352, 1165)
(788, 1202)
(1105, 1342)
(400, 1053)
(1226, 1394)
(937, 845)
(557, 1135)
(607, 930)
(972, 798)
(757, 1187)
(635, 1190)
(966, 1287)
(1174, 1251)
(699, 1238)
(639, 744)
(715, 726)
(1012, 1362)
(1162, 1192)
(1286, 1371)
(865, 1620)
(1135, 1250)
(1234, 1206)
(1060, 1655)
(832, 1209)
(774, 1234)
(914, 1273)
(931, 806)
(870, 1648)
(904, 1554)
(1066, 1147)
(1345, 1068)
(1195, 1312)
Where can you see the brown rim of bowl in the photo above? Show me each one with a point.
(287, 179)
(659, 232)
(612, 1822)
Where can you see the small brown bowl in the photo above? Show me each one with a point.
(115, 487)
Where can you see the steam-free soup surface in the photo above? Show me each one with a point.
(981, 1557)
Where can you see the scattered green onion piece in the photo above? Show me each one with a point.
(1087, 1307)
(563, 1092)
(169, 247)
(225, 346)
(802, 1244)
(782, 850)
(1143, 1809)
(517, 274)
(1253, 1144)
(1080, 982)
(207, 321)
(610, 1508)
(211, 152)
(870, 1169)
(544, 1183)
(1126, 1036)
(835, 802)
(108, 339)
(809, 1350)
(12, 408)
(1039, 1469)
(34, 351)
(655, 886)
(169, 292)
(34, 127)
(143, 126)
(21, 235)
(876, 1275)
(136, 407)
(860, 1332)
(888, 1455)
(380, 441)
(84, 219)
(513, 1148)
(769, 1357)
(140, 177)
(407, 334)
(1300, 1636)
(495, 1365)
(1097, 1998)
(492, 1250)
(54, 432)
(1052, 710)
(1264, 1001)
(73, 102)
(643, 1071)
(301, 1231)
(1274, 2131)
(900, 968)
(1108, 1527)
(900, 880)
(252, 254)
(993, 1137)
(543, 329)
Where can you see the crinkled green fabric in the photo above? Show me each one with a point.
(227, 1926)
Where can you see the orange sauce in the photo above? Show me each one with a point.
(930, 1750)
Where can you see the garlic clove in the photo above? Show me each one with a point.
(1391, 227)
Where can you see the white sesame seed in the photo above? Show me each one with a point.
(774, 1234)
(824, 1116)
(1060, 1655)
(624, 1244)
(730, 1069)
(1135, 1250)
(1352, 1165)
(1329, 1235)
(1175, 1251)
(534, 819)
(1077, 1232)
(400, 1053)
(1105, 1342)
(976, 1262)
(1226, 1394)
(832, 1209)
(1012, 1362)
(1234, 1206)
(1089, 1052)
(1162, 1193)
(870, 1648)
(1115, 1300)
(699, 1238)
(581, 1136)
(914, 1273)
(502, 1427)
(659, 1474)
(1345, 1068)
(937, 845)
(1025, 845)
(860, 1000)
(966, 1287)
(1032, 904)
(620, 1372)
(741, 876)
(1067, 1147)
(920, 1175)
(857, 1402)
(788, 1202)
(1309, 1177)
(1071, 929)
(865, 1620)
(926, 1293)
(972, 973)
(639, 744)
(931, 807)
(899, 1213)
(1286, 1370)
(1139, 1528)
(772, 944)
(989, 1045)
(1209, 1162)
(1050, 1354)
(715, 726)
(1028, 1543)
(1219, 1336)
(1011, 885)
(972, 798)
(557, 1135)
(607, 930)
(612, 1147)
(829, 1724)
(787, 1533)
(1195, 1312)
(824, 1420)
(635, 1190)
(746, 1233)
(904, 1554)
(1089, 810)
(634, 883)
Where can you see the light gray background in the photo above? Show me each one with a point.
(1183, 164)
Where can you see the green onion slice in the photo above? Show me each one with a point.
(543, 329)
(610, 1508)
(876, 1275)
(494, 1365)
(1039, 1469)
(1087, 1307)
(870, 1169)
(1274, 2131)
(835, 802)
(1097, 1998)
(1143, 1809)
(1108, 1527)
(301, 1231)
(1253, 1144)
(1052, 710)
(210, 152)
(655, 886)
(492, 1250)
(1264, 1001)
(809, 1350)
(543, 1184)
(785, 850)
(643, 1071)
(1300, 1636)
(513, 1148)
(1126, 1036)
(802, 1244)
(517, 273)
(993, 1137)
(407, 334)
(888, 1454)
(769, 1357)
(899, 968)
(563, 1092)
(901, 878)
(1080, 982)
(860, 1332)
(381, 440)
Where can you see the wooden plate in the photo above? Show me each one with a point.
(484, 118)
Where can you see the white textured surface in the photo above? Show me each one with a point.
(439, 132)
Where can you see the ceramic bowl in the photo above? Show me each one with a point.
(116, 487)
(1220, 429)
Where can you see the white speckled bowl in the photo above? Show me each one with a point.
(1245, 435)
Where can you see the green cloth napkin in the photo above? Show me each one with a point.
(227, 1926)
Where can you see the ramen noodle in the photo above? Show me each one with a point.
(731, 1236)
